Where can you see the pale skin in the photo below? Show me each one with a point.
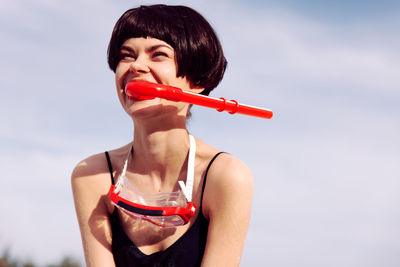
(158, 161)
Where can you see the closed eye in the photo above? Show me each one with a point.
(126, 56)
(159, 54)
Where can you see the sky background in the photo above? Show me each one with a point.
(326, 167)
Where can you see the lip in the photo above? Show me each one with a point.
(135, 80)
(139, 97)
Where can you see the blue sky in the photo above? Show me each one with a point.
(325, 167)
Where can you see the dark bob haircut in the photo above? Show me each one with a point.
(198, 52)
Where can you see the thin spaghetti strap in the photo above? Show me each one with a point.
(110, 167)
(205, 175)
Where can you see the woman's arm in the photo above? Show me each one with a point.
(89, 186)
(227, 204)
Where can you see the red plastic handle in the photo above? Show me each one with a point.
(145, 90)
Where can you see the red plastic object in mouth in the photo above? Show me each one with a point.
(141, 90)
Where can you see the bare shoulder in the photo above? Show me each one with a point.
(229, 167)
(229, 182)
(90, 166)
(95, 167)
(91, 179)
(229, 173)
(91, 172)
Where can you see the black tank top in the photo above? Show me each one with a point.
(187, 251)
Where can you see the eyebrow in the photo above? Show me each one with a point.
(124, 47)
(150, 49)
(155, 47)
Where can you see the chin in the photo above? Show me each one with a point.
(143, 108)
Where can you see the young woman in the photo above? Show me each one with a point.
(176, 46)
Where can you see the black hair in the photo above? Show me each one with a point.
(198, 52)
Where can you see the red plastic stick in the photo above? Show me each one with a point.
(145, 90)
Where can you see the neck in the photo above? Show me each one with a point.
(161, 154)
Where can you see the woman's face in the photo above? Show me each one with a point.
(151, 60)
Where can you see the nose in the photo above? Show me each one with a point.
(139, 65)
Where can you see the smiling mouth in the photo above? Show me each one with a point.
(136, 96)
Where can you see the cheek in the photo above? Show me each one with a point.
(168, 73)
(119, 75)
(118, 72)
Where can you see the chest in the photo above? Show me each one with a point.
(149, 238)
(187, 250)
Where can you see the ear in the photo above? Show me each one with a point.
(196, 89)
